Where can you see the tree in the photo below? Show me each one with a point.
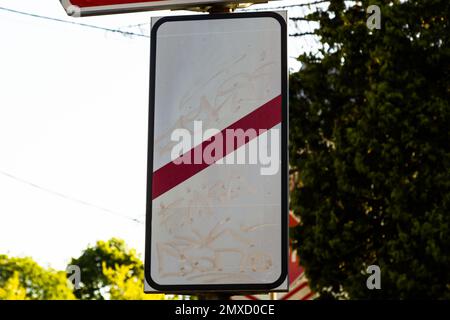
(110, 270)
(12, 289)
(124, 286)
(370, 151)
(23, 278)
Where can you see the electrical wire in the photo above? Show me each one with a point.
(68, 197)
(313, 3)
(126, 33)
(73, 23)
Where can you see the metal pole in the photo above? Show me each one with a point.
(221, 9)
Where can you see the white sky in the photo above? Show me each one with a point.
(73, 119)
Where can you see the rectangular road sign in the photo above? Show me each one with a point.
(217, 186)
(81, 8)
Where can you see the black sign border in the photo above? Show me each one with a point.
(259, 287)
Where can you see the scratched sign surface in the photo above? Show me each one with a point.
(220, 223)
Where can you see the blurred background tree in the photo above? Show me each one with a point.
(111, 270)
(126, 286)
(23, 278)
(370, 151)
(12, 289)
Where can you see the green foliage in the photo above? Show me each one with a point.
(370, 151)
(126, 286)
(109, 268)
(22, 278)
(12, 289)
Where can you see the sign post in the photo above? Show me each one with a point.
(217, 207)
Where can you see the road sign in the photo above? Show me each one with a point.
(217, 210)
(78, 8)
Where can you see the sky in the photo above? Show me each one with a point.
(73, 130)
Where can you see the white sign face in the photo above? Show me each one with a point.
(82, 8)
(217, 169)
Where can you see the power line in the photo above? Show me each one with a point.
(68, 197)
(73, 23)
(302, 19)
(137, 25)
(301, 34)
(312, 3)
(147, 24)
(295, 19)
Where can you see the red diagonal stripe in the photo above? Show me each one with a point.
(171, 174)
